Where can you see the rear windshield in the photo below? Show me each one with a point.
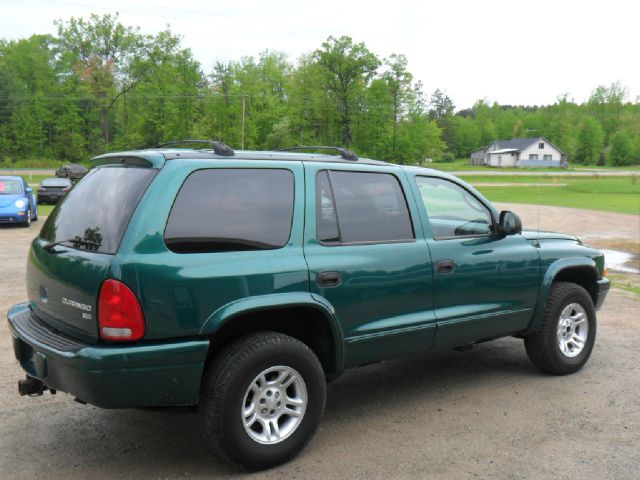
(96, 212)
(55, 182)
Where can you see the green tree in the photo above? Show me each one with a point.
(349, 67)
(607, 104)
(621, 151)
(99, 52)
(590, 140)
(160, 104)
(466, 136)
(398, 80)
(440, 106)
(28, 97)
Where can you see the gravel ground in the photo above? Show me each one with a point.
(485, 413)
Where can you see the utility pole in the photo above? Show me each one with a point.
(244, 119)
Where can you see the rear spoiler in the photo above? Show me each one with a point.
(132, 159)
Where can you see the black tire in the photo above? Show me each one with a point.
(543, 347)
(27, 222)
(225, 385)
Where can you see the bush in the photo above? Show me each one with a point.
(448, 157)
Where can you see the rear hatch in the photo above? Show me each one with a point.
(71, 257)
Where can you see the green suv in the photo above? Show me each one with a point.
(239, 282)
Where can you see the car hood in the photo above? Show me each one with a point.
(542, 235)
(7, 200)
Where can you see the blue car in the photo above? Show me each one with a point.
(18, 204)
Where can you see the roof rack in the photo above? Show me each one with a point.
(220, 148)
(344, 153)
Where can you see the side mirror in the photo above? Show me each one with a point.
(29, 190)
(510, 223)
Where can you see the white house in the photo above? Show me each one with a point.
(520, 152)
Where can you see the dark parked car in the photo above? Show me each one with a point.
(53, 189)
(72, 171)
(238, 282)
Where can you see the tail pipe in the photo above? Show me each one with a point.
(31, 386)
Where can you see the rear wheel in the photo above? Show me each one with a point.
(262, 399)
(565, 341)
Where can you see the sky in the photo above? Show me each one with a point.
(512, 52)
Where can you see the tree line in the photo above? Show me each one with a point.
(98, 85)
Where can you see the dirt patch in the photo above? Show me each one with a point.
(619, 231)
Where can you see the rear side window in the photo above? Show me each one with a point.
(95, 214)
(361, 207)
(218, 210)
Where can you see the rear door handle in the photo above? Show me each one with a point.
(329, 279)
(445, 266)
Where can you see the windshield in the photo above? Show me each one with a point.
(10, 186)
(95, 214)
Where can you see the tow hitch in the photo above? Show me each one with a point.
(32, 387)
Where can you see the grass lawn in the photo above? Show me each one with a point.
(44, 210)
(630, 283)
(612, 194)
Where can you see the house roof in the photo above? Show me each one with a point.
(516, 143)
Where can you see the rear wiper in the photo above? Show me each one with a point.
(75, 241)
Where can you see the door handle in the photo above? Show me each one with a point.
(445, 266)
(329, 279)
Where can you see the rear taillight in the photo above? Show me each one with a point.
(66, 189)
(120, 317)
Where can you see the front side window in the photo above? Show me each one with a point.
(361, 207)
(452, 210)
(218, 210)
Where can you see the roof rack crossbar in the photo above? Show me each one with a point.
(344, 153)
(220, 148)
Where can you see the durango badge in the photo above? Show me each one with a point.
(72, 303)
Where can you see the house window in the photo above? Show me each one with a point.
(533, 156)
(547, 157)
(541, 145)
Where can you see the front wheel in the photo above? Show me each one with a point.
(262, 399)
(565, 341)
(27, 221)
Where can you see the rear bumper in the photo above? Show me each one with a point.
(50, 197)
(108, 376)
(602, 288)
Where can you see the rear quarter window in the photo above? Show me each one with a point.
(218, 210)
